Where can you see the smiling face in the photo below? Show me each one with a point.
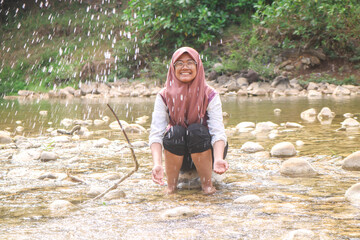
(185, 72)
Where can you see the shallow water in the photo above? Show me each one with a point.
(286, 204)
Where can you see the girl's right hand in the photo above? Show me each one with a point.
(158, 174)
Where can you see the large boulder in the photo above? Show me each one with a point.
(352, 162)
(283, 149)
(297, 167)
(325, 114)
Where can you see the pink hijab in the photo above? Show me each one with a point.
(187, 102)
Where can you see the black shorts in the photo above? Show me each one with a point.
(185, 141)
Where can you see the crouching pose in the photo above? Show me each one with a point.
(187, 122)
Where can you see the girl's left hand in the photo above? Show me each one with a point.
(220, 166)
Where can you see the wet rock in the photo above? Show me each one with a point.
(5, 137)
(101, 142)
(348, 115)
(248, 199)
(112, 176)
(309, 115)
(47, 176)
(141, 120)
(350, 122)
(178, 212)
(26, 156)
(299, 143)
(340, 91)
(67, 122)
(59, 207)
(312, 86)
(61, 139)
(265, 126)
(19, 129)
(293, 125)
(283, 149)
(301, 234)
(314, 93)
(245, 127)
(353, 194)
(48, 156)
(98, 122)
(277, 110)
(115, 125)
(134, 128)
(252, 147)
(297, 167)
(140, 144)
(259, 92)
(114, 194)
(352, 162)
(95, 191)
(325, 114)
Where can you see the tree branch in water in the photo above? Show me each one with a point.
(115, 185)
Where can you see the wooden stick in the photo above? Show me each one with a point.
(115, 185)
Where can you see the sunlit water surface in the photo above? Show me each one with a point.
(286, 203)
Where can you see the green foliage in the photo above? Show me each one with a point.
(167, 25)
(159, 69)
(330, 24)
(325, 78)
(13, 79)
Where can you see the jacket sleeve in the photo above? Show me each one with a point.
(215, 121)
(159, 122)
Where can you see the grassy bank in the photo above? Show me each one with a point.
(43, 47)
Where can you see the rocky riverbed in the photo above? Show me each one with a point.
(276, 187)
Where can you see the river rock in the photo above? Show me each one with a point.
(61, 139)
(59, 207)
(47, 176)
(5, 137)
(19, 129)
(340, 90)
(325, 113)
(245, 127)
(48, 156)
(98, 122)
(115, 125)
(283, 149)
(314, 94)
(140, 144)
(67, 122)
(178, 212)
(112, 176)
(26, 156)
(293, 125)
(251, 147)
(309, 115)
(102, 142)
(114, 194)
(353, 194)
(300, 234)
(247, 199)
(265, 126)
(297, 167)
(95, 191)
(277, 110)
(350, 122)
(134, 128)
(352, 162)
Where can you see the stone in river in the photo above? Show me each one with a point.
(48, 156)
(352, 162)
(353, 194)
(178, 212)
(114, 194)
(283, 149)
(297, 167)
(61, 207)
(251, 147)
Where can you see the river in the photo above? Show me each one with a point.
(286, 204)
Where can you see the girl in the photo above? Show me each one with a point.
(187, 121)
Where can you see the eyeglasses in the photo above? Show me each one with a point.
(181, 64)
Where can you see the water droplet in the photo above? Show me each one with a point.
(19, 26)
